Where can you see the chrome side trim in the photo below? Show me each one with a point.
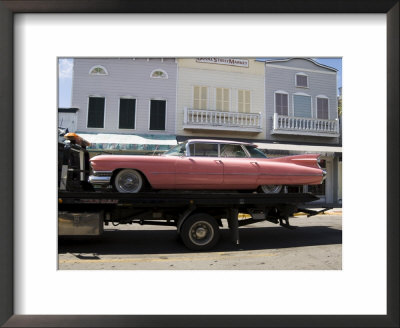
(99, 180)
(102, 173)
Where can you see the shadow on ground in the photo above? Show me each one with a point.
(122, 242)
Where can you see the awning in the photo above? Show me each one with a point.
(290, 148)
(129, 142)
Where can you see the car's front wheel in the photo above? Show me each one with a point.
(271, 189)
(128, 181)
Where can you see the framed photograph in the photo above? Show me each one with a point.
(35, 34)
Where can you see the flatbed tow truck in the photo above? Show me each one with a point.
(197, 215)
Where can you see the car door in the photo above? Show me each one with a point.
(240, 171)
(201, 169)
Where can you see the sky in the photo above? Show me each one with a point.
(65, 69)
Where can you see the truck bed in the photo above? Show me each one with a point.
(180, 198)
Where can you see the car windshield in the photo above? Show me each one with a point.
(178, 150)
(255, 153)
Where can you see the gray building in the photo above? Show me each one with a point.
(301, 108)
(125, 95)
(301, 100)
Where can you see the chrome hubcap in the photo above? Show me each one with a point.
(271, 189)
(201, 233)
(128, 182)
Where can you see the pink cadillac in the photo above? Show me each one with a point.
(206, 165)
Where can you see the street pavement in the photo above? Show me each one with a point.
(316, 244)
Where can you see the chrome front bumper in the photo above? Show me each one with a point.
(100, 178)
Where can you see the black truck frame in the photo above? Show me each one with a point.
(196, 215)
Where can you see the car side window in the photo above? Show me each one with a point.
(255, 153)
(178, 150)
(205, 150)
(232, 151)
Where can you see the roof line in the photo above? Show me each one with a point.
(309, 59)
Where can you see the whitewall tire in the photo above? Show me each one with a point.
(271, 189)
(128, 181)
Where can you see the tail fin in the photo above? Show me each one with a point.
(309, 160)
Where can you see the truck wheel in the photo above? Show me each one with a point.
(271, 189)
(128, 181)
(200, 232)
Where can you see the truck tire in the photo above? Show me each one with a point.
(200, 232)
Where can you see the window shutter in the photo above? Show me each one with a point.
(226, 100)
(322, 108)
(219, 98)
(240, 101)
(127, 108)
(281, 103)
(96, 112)
(203, 97)
(200, 97)
(301, 80)
(157, 114)
(196, 97)
(247, 101)
(244, 101)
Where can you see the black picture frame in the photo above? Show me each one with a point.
(7, 10)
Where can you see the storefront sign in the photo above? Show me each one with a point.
(224, 61)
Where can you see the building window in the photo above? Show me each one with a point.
(301, 80)
(244, 101)
(200, 97)
(159, 74)
(127, 111)
(302, 105)
(281, 103)
(222, 102)
(96, 112)
(98, 70)
(157, 114)
(322, 108)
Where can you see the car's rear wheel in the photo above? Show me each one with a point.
(200, 232)
(271, 189)
(128, 181)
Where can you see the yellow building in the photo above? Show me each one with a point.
(220, 97)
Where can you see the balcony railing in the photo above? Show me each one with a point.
(216, 120)
(283, 124)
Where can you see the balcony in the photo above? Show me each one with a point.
(283, 124)
(221, 121)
